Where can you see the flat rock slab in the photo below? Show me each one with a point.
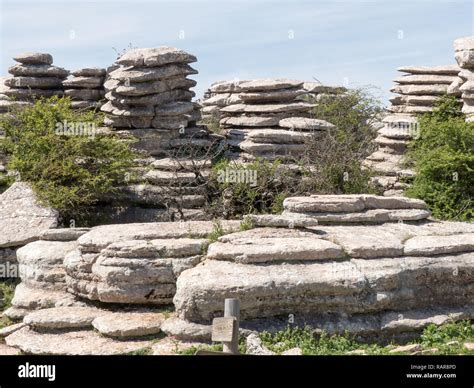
(279, 95)
(153, 57)
(269, 84)
(267, 108)
(265, 290)
(36, 298)
(63, 317)
(350, 287)
(30, 58)
(63, 234)
(439, 245)
(370, 216)
(102, 236)
(277, 136)
(38, 70)
(249, 121)
(71, 343)
(443, 70)
(165, 248)
(305, 124)
(146, 74)
(434, 89)
(293, 220)
(22, 218)
(425, 79)
(6, 331)
(275, 249)
(186, 331)
(349, 203)
(89, 72)
(8, 351)
(365, 242)
(129, 324)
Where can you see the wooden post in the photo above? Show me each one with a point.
(232, 309)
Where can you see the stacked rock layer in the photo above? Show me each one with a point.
(85, 88)
(34, 77)
(464, 48)
(387, 164)
(149, 101)
(374, 271)
(136, 263)
(421, 86)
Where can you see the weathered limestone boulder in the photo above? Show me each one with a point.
(41, 263)
(22, 219)
(129, 324)
(86, 88)
(355, 286)
(464, 54)
(34, 77)
(136, 263)
(71, 343)
(63, 318)
(356, 208)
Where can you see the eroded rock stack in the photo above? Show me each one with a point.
(34, 77)
(464, 48)
(421, 86)
(224, 93)
(149, 100)
(85, 88)
(391, 173)
(136, 263)
(386, 280)
(42, 273)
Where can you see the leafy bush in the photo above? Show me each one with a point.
(59, 152)
(337, 154)
(330, 164)
(257, 187)
(444, 162)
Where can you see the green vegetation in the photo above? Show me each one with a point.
(60, 153)
(257, 187)
(330, 164)
(336, 155)
(7, 290)
(444, 339)
(443, 159)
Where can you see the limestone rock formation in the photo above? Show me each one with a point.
(421, 86)
(136, 263)
(22, 220)
(387, 162)
(149, 102)
(86, 88)
(464, 54)
(34, 77)
(373, 266)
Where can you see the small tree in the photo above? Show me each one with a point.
(60, 152)
(443, 159)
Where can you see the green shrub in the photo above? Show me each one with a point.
(443, 159)
(69, 171)
(337, 154)
(7, 290)
(257, 187)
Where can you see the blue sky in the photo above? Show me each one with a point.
(337, 42)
